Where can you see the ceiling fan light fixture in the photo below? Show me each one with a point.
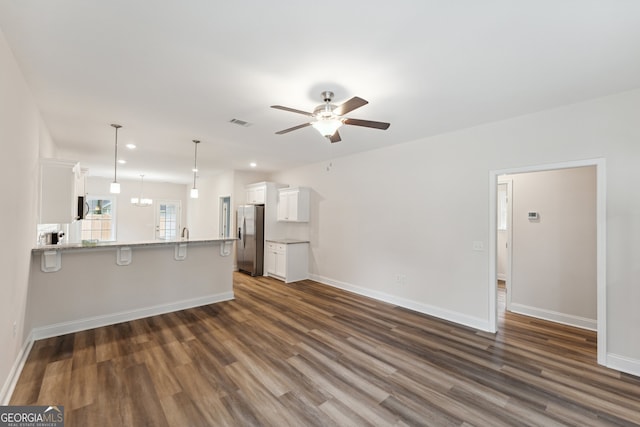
(327, 127)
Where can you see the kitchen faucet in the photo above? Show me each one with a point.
(185, 233)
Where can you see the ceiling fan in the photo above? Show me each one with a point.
(328, 117)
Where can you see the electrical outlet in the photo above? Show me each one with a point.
(478, 246)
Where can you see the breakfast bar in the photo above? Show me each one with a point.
(75, 287)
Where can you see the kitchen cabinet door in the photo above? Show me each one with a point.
(256, 195)
(293, 204)
(58, 203)
(281, 264)
(287, 261)
(270, 259)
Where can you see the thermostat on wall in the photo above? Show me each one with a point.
(532, 216)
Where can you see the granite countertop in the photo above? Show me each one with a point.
(287, 241)
(74, 246)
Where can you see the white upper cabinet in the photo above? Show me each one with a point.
(59, 182)
(293, 204)
(256, 193)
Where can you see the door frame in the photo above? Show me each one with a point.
(601, 240)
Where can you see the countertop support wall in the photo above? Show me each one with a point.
(91, 290)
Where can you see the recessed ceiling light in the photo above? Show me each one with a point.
(194, 170)
(253, 164)
(122, 161)
(131, 146)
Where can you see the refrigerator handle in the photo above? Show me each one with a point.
(239, 233)
(244, 225)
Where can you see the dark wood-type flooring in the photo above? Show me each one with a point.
(305, 354)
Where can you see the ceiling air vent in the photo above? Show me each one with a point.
(240, 123)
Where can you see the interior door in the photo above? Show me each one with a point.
(168, 220)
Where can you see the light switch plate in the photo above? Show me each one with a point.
(478, 245)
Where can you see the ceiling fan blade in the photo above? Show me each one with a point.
(292, 110)
(367, 123)
(335, 137)
(304, 125)
(350, 105)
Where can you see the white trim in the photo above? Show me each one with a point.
(12, 379)
(555, 316)
(601, 258)
(493, 253)
(452, 316)
(63, 328)
(623, 364)
(601, 225)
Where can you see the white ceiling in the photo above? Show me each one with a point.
(172, 71)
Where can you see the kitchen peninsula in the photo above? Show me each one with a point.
(75, 287)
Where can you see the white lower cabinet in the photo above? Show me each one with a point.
(287, 260)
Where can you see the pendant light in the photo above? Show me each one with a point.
(115, 185)
(194, 190)
(140, 201)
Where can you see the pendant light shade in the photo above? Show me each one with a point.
(194, 190)
(114, 188)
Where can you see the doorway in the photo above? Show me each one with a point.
(600, 243)
(167, 219)
(225, 217)
(503, 238)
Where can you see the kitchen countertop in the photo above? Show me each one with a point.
(287, 241)
(106, 245)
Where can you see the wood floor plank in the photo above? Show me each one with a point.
(304, 354)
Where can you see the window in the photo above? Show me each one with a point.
(99, 223)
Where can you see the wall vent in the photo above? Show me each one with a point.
(240, 123)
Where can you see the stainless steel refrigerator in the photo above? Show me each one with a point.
(250, 243)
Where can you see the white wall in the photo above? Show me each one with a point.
(203, 213)
(554, 257)
(415, 209)
(138, 223)
(23, 136)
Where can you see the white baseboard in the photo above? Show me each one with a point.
(501, 276)
(452, 316)
(125, 316)
(554, 316)
(16, 370)
(623, 364)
